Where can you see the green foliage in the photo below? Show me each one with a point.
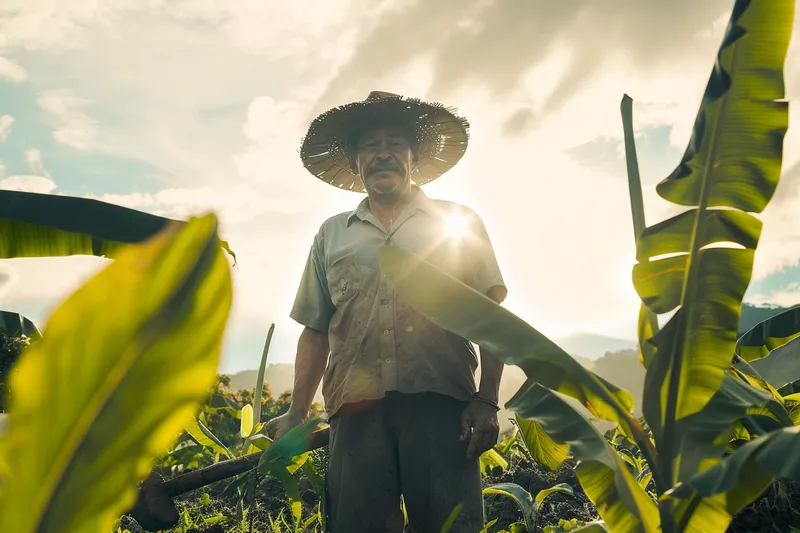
(693, 400)
(158, 314)
(10, 349)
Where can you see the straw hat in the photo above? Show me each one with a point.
(441, 136)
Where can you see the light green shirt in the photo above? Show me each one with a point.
(378, 343)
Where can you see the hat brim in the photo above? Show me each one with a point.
(442, 138)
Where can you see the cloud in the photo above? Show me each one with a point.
(27, 183)
(11, 71)
(73, 127)
(493, 45)
(5, 126)
(787, 296)
(34, 158)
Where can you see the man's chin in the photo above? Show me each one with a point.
(384, 185)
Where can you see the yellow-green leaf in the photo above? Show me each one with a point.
(52, 225)
(89, 414)
(202, 435)
(490, 460)
(605, 479)
(542, 448)
(246, 422)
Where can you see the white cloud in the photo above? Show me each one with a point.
(73, 126)
(34, 158)
(27, 183)
(5, 126)
(786, 297)
(11, 71)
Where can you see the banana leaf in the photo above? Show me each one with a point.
(456, 307)
(772, 333)
(728, 486)
(781, 366)
(542, 448)
(49, 225)
(116, 399)
(605, 478)
(730, 169)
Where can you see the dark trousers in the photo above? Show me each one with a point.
(402, 444)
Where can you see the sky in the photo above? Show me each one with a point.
(180, 107)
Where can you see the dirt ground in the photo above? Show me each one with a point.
(777, 510)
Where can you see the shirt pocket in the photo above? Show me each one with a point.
(344, 279)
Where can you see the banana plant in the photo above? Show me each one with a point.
(116, 399)
(50, 225)
(693, 395)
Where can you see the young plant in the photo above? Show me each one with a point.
(693, 396)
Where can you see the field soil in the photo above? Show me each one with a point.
(776, 510)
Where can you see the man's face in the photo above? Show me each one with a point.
(384, 159)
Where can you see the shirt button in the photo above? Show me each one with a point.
(388, 360)
(386, 332)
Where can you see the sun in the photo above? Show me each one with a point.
(456, 225)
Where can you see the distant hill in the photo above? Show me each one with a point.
(752, 315)
(593, 345)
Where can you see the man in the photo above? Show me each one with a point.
(405, 416)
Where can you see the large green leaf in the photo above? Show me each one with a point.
(772, 333)
(89, 414)
(456, 307)
(781, 366)
(733, 161)
(707, 432)
(49, 225)
(619, 499)
(740, 478)
(542, 448)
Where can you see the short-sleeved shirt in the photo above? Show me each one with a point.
(378, 342)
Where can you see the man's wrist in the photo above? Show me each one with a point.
(298, 412)
(478, 397)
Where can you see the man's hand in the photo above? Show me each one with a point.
(482, 420)
(278, 426)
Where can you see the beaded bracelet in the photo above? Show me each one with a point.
(477, 398)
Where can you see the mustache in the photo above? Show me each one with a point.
(380, 167)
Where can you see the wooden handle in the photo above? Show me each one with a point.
(232, 467)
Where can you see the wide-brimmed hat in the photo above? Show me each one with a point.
(441, 135)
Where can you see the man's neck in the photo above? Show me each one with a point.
(388, 213)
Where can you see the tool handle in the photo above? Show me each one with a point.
(232, 467)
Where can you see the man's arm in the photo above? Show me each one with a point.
(309, 367)
(491, 367)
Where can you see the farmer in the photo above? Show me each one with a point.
(405, 415)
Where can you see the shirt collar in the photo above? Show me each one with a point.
(419, 201)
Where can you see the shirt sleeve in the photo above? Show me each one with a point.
(486, 275)
(313, 306)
